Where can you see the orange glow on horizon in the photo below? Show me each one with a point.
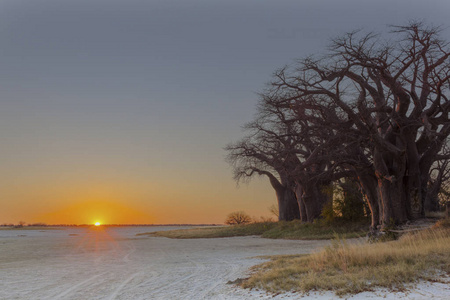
(109, 212)
(154, 203)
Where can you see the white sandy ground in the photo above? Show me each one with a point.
(114, 263)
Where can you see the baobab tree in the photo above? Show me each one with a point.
(370, 108)
(262, 153)
(394, 99)
(285, 148)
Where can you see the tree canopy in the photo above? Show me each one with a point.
(374, 108)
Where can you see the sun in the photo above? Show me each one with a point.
(97, 224)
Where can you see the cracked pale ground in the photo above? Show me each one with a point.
(114, 263)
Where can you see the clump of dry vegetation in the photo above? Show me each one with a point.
(294, 230)
(216, 231)
(345, 269)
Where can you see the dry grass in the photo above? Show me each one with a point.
(274, 230)
(320, 230)
(215, 232)
(345, 269)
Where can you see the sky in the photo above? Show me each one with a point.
(118, 111)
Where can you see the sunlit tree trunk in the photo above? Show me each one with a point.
(393, 195)
(301, 203)
(369, 186)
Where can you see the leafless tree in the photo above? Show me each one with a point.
(372, 109)
(391, 99)
(238, 217)
(287, 149)
(263, 153)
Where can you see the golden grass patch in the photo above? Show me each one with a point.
(215, 232)
(344, 268)
(294, 230)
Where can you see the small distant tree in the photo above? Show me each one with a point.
(238, 217)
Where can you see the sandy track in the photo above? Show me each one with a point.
(116, 264)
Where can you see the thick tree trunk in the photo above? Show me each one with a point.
(414, 203)
(432, 198)
(393, 200)
(369, 186)
(315, 199)
(287, 204)
(301, 203)
(413, 180)
(392, 190)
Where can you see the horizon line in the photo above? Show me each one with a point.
(85, 225)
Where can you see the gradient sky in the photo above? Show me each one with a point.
(118, 111)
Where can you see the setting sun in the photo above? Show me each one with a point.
(97, 223)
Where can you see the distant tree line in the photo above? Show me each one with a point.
(371, 116)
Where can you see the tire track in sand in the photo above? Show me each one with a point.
(199, 269)
(219, 273)
(75, 287)
(131, 249)
(122, 285)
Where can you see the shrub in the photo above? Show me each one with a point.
(238, 217)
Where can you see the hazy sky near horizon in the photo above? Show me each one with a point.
(118, 111)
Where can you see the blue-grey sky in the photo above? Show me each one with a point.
(130, 103)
